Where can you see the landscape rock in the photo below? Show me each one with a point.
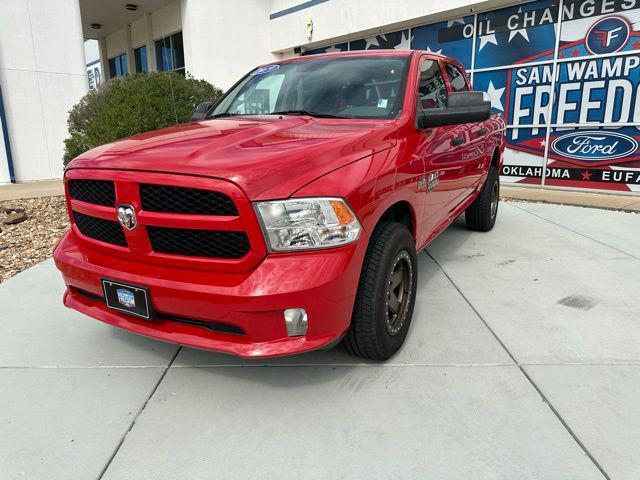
(14, 218)
(32, 240)
(11, 208)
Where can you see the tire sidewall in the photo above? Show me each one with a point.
(401, 240)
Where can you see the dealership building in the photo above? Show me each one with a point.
(565, 74)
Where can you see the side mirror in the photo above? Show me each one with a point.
(201, 111)
(462, 107)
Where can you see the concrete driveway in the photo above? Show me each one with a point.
(523, 362)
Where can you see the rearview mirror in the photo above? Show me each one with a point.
(462, 107)
(201, 111)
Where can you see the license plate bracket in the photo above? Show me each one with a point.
(130, 299)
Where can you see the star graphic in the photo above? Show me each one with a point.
(404, 43)
(439, 52)
(562, 55)
(543, 143)
(487, 39)
(522, 31)
(371, 41)
(636, 45)
(496, 96)
(586, 175)
(451, 23)
(575, 52)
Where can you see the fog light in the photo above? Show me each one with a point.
(296, 321)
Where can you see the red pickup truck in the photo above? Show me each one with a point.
(286, 217)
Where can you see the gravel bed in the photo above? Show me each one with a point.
(31, 241)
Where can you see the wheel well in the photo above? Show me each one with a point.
(495, 159)
(400, 212)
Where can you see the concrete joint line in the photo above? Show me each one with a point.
(576, 232)
(526, 375)
(133, 422)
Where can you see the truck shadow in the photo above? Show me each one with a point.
(325, 365)
(322, 365)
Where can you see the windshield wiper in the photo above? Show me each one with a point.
(223, 114)
(310, 114)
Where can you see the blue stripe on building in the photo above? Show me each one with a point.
(296, 8)
(7, 143)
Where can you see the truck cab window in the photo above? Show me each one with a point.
(456, 78)
(432, 92)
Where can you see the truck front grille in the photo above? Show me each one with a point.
(99, 192)
(194, 201)
(181, 220)
(104, 230)
(199, 243)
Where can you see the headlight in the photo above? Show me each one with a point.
(306, 223)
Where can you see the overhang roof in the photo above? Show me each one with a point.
(112, 14)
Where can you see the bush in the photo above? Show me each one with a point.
(133, 104)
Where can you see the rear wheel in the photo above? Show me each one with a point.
(482, 213)
(386, 294)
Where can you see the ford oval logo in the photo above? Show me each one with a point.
(594, 146)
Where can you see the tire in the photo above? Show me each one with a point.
(375, 332)
(481, 215)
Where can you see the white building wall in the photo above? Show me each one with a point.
(43, 74)
(116, 43)
(138, 33)
(224, 39)
(339, 20)
(166, 20)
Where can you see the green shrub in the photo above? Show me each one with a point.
(132, 104)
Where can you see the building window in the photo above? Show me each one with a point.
(170, 53)
(140, 55)
(118, 65)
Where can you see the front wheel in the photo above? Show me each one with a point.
(482, 213)
(386, 294)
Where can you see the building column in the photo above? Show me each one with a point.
(104, 61)
(131, 63)
(151, 47)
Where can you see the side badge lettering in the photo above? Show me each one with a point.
(434, 178)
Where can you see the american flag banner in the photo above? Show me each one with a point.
(565, 76)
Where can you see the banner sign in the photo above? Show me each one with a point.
(566, 79)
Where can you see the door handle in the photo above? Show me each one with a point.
(482, 131)
(457, 141)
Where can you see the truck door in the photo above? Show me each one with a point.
(472, 150)
(439, 147)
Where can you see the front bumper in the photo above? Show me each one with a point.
(322, 282)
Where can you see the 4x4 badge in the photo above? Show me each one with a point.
(434, 177)
(127, 216)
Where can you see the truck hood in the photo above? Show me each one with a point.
(268, 157)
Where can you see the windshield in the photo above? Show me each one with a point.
(346, 87)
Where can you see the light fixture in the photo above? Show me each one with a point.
(96, 26)
(132, 7)
(295, 320)
(307, 223)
